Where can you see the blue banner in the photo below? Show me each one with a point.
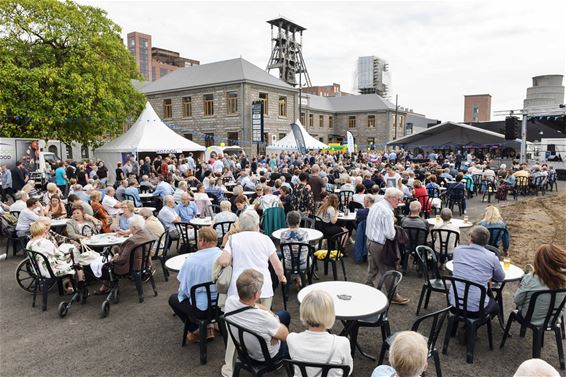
(299, 139)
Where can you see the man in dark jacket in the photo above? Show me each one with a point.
(18, 177)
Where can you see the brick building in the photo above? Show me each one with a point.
(211, 103)
(477, 108)
(325, 90)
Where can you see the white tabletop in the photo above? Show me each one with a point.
(207, 221)
(175, 263)
(457, 222)
(512, 274)
(59, 222)
(249, 193)
(138, 209)
(230, 183)
(146, 195)
(105, 239)
(350, 217)
(363, 300)
(314, 235)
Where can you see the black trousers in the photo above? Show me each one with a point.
(184, 311)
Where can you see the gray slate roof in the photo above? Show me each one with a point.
(349, 104)
(217, 73)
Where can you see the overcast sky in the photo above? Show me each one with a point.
(437, 51)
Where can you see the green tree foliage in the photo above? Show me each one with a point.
(64, 72)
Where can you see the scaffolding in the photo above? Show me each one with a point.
(286, 52)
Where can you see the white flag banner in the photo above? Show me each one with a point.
(350, 139)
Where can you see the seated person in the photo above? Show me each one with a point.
(202, 200)
(132, 191)
(29, 215)
(408, 356)
(79, 220)
(75, 201)
(457, 191)
(360, 194)
(20, 204)
(413, 220)
(549, 266)
(197, 269)
(168, 216)
(446, 217)
(55, 209)
(152, 224)
(225, 214)
(273, 328)
(475, 263)
(316, 344)
(362, 214)
(186, 209)
(432, 188)
(536, 368)
(328, 213)
(286, 198)
(215, 189)
(127, 212)
(267, 200)
(145, 184)
(492, 219)
(292, 235)
(182, 188)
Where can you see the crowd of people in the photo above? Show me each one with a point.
(389, 192)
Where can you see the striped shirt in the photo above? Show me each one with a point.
(380, 223)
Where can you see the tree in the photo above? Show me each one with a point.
(64, 72)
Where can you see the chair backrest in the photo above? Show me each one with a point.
(142, 251)
(336, 242)
(417, 237)
(238, 333)
(162, 247)
(345, 197)
(445, 238)
(291, 255)
(87, 231)
(307, 222)
(539, 181)
(211, 308)
(437, 319)
(522, 181)
(496, 235)
(214, 208)
(353, 205)
(320, 370)
(184, 229)
(16, 214)
(37, 258)
(222, 228)
(144, 189)
(428, 263)
(461, 296)
(130, 197)
(555, 306)
(433, 192)
(391, 279)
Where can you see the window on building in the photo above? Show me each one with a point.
(311, 120)
(232, 100)
(409, 129)
(371, 142)
(187, 107)
(208, 100)
(188, 136)
(321, 139)
(53, 149)
(281, 136)
(321, 121)
(209, 139)
(330, 121)
(233, 138)
(371, 121)
(352, 122)
(264, 98)
(84, 152)
(167, 108)
(303, 119)
(282, 106)
(69, 150)
(476, 113)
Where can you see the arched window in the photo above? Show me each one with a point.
(69, 151)
(84, 152)
(52, 149)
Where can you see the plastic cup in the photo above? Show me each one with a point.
(506, 263)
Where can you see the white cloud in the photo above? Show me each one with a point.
(438, 51)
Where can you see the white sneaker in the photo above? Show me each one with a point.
(3, 256)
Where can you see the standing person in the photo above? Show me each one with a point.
(61, 178)
(100, 212)
(315, 183)
(120, 176)
(7, 189)
(380, 226)
(303, 200)
(102, 173)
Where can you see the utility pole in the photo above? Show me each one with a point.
(396, 111)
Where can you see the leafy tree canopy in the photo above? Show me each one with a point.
(64, 72)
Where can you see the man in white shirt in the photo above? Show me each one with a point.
(30, 214)
(267, 200)
(20, 204)
(110, 204)
(182, 189)
(218, 165)
(380, 226)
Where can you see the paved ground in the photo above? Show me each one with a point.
(145, 339)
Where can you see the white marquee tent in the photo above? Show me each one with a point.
(148, 134)
(288, 143)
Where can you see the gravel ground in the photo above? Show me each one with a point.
(145, 339)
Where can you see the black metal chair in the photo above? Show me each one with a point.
(9, 231)
(42, 282)
(539, 185)
(444, 237)
(521, 186)
(16, 214)
(294, 250)
(493, 249)
(323, 369)
(453, 200)
(551, 182)
(477, 178)
(255, 367)
(428, 263)
(161, 251)
(131, 198)
(344, 199)
(87, 231)
(353, 206)
(551, 321)
(417, 237)
(335, 243)
(210, 315)
(222, 228)
(188, 244)
(459, 312)
(437, 319)
(490, 189)
(391, 280)
(307, 222)
(214, 209)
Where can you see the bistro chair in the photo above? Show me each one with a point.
(188, 244)
(459, 312)
(334, 253)
(437, 319)
(539, 185)
(222, 228)
(344, 199)
(417, 237)
(322, 370)
(489, 189)
(554, 306)
(428, 263)
(521, 186)
(445, 237)
(204, 317)
(161, 251)
(551, 182)
(43, 282)
(291, 256)
(307, 222)
(244, 361)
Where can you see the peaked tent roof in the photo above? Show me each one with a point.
(452, 133)
(223, 72)
(289, 142)
(150, 134)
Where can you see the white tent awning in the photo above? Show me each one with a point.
(289, 142)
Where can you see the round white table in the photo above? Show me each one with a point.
(351, 216)
(230, 184)
(58, 222)
(146, 195)
(457, 222)
(138, 209)
(175, 263)
(352, 301)
(105, 239)
(314, 235)
(198, 222)
(249, 193)
(513, 273)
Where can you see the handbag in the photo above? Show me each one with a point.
(222, 276)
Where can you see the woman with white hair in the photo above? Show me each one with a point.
(316, 344)
(52, 190)
(408, 356)
(251, 249)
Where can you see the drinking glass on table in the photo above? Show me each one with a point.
(506, 263)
